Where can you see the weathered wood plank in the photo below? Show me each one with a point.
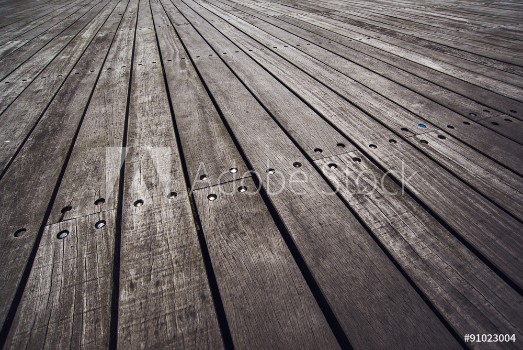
(15, 53)
(238, 224)
(438, 189)
(20, 118)
(18, 80)
(209, 153)
(90, 183)
(266, 300)
(314, 219)
(67, 300)
(468, 108)
(28, 185)
(165, 299)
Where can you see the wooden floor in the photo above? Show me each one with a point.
(282, 174)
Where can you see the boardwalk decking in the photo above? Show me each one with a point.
(280, 174)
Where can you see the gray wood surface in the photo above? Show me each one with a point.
(330, 218)
(274, 174)
(165, 300)
(34, 174)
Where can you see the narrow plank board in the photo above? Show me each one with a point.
(35, 174)
(315, 219)
(165, 299)
(263, 309)
(460, 104)
(440, 190)
(209, 153)
(20, 118)
(470, 296)
(67, 300)
(266, 300)
(17, 81)
(387, 101)
(13, 56)
(90, 183)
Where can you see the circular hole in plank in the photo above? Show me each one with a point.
(212, 197)
(233, 170)
(441, 137)
(100, 224)
(472, 114)
(20, 232)
(172, 195)
(393, 141)
(356, 159)
(332, 166)
(99, 201)
(404, 129)
(203, 177)
(138, 203)
(373, 146)
(296, 164)
(318, 150)
(271, 171)
(242, 189)
(422, 126)
(341, 145)
(466, 123)
(450, 126)
(424, 142)
(62, 234)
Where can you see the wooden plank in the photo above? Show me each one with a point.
(17, 81)
(266, 300)
(165, 299)
(374, 93)
(485, 52)
(449, 302)
(67, 300)
(395, 117)
(400, 48)
(27, 187)
(470, 296)
(438, 189)
(238, 225)
(78, 312)
(209, 160)
(464, 55)
(30, 33)
(91, 180)
(333, 39)
(20, 118)
(16, 52)
(314, 220)
(456, 102)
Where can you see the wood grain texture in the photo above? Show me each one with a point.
(21, 116)
(312, 216)
(34, 174)
(385, 139)
(67, 300)
(466, 292)
(209, 152)
(18, 80)
(266, 299)
(403, 161)
(165, 299)
(90, 183)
